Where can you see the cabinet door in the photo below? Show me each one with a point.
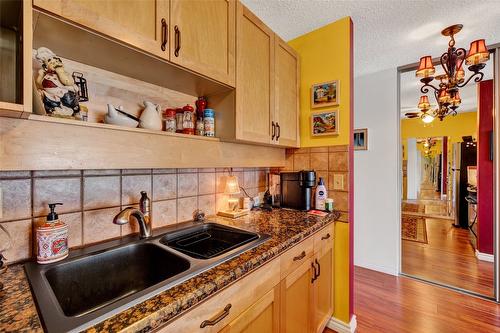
(296, 300)
(286, 113)
(138, 23)
(323, 287)
(254, 78)
(203, 37)
(261, 317)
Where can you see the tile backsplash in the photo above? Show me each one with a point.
(92, 198)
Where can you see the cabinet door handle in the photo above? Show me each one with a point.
(273, 131)
(177, 41)
(300, 256)
(164, 36)
(326, 236)
(278, 133)
(314, 274)
(218, 317)
(319, 267)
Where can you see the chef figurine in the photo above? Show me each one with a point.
(59, 91)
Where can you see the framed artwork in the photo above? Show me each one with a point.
(361, 139)
(325, 123)
(325, 94)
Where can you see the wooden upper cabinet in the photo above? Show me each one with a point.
(254, 78)
(202, 35)
(143, 24)
(286, 113)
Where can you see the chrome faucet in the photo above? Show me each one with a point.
(123, 217)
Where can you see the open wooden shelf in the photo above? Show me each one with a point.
(118, 128)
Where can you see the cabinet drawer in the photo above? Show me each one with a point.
(297, 255)
(224, 307)
(324, 237)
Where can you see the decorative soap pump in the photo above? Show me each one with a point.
(52, 238)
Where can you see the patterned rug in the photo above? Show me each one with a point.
(413, 228)
(412, 207)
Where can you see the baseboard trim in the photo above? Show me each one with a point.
(341, 327)
(485, 256)
(374, 267)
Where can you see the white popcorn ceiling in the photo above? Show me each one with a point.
(391, 33)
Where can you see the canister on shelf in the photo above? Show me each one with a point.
(170, 120)
(179, 116)
(209, 122)
(200, 127)
(188, 120)
(329, 204)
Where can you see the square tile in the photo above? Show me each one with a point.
(14, 174)
(49, 190)
(164, 187)
(159, 171)
(186, 208)
(262, 178)
(136, 171)
(132, 187)
(288, 162)
(16, 196)
(98, 225)
(164, 213)
(301, 162)
(101, 192)
(206, 203)
(206, 170)
(187, 184)
(319, 161)
(249, 179)
(206, 183)
(319, 149)
(340, 200)
(188, 170)
(338, 161)
(21, 246)
(338, 148)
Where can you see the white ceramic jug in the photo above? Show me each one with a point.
(150, 117)
(116, 118)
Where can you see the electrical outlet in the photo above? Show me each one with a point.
(338, 182)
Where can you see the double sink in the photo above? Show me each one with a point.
(90, 286)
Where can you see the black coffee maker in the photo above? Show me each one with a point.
(296, 189)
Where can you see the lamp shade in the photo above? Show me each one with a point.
(423, 103)
(444, 96)
(232, 186)
(425, 68)
(478, 53)
(460, 74)
(456, 100)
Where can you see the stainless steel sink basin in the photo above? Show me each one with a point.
(98, 282)
(91, 282)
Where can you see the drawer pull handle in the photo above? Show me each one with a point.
(300, 256)
(326, 236)
(218, 317)
(164, 37)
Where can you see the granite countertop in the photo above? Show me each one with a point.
(286, 227)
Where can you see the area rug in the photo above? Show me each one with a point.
(413, 228)
(412, 207)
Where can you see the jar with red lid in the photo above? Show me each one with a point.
(170, 120)
(188, 120)
(179, 116)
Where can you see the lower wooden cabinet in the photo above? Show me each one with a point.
(291, 294)
(261, 317)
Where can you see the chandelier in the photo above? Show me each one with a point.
(447, 91)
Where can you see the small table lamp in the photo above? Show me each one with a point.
(233, 210)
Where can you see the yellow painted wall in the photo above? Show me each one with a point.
(324, 56)
(454, 127)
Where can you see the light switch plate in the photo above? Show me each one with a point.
(338, 182)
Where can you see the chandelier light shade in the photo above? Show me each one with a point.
(478, 53)
(424, 104)
(446, 90)
(425, 68)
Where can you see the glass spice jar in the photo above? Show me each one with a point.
(188, 120)
(179, 116)
(170, 120)
(209, 122)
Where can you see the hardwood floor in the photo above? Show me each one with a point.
(448, 258)
(390, 304)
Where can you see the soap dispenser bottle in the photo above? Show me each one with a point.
(321, 195)
(52, 238)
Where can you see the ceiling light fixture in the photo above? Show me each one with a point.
(447, 93)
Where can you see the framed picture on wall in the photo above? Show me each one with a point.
(325, 123)
(325, 94)
(361, 139)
